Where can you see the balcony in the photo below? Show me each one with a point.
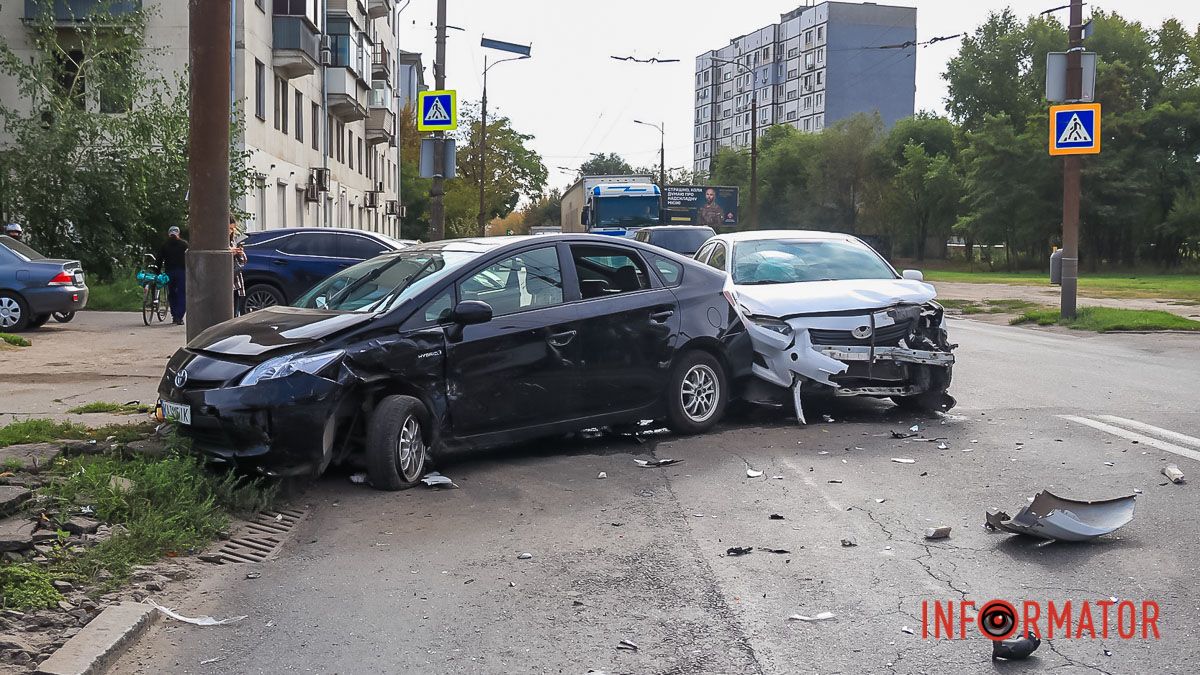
(345, 101)
(381, 64)
(381, 124)
(296, 46)
(378, 8)
(73, 11)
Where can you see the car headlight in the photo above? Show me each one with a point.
(282, 366)
(771, 323)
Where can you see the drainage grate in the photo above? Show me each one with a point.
(259, 538)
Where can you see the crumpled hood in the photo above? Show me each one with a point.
(817, 297)
(274, 328)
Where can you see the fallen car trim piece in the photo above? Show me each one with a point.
(888, 354)
(1059, 519)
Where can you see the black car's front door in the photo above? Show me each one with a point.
(627, 327)
(519, 369)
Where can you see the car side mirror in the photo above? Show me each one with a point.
(915, 275)
(471, 312)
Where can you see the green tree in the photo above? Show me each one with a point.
(924, 195)
(843, 168)
(544, 209)
(605, 164)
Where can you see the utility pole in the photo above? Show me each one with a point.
(437, 191)
(753, 153)
(1071, 170)
(662, 161)
(482, 219)
(209, 278)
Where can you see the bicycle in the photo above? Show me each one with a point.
(154, 299)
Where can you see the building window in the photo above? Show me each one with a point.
(283, 102)
(260, 91)
(820, 100)
(279, 86)
(341, 143)
(808, 124)
(299, 117)
(350, 149)
(807, 102)
(791, 115)
(820, 33)
(792, 52)
(808, 61)
(821, 55)
(820, 77)
(808, 37)
(361, 163)
(793, 74)
(316, 127)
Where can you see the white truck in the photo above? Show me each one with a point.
(612, 205)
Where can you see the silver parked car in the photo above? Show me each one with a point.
(33, 287)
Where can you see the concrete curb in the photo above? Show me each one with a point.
(100, 642)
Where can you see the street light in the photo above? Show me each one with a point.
(662, 157)
(522, 52)
(753, 139)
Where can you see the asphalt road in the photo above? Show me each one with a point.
(430, 581)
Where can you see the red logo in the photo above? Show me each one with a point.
(998, 619)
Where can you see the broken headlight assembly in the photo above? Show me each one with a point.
(771, 323)
(282, 366)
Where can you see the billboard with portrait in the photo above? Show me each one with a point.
(702, 205)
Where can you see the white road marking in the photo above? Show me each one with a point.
(1133, 436)
(1153, 430)
(813, 484)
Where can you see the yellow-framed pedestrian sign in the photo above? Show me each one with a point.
(1075, 129)
(438, 110)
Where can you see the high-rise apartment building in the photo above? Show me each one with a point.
(320, 84)
(817, 65)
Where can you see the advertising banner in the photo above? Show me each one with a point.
(702, 205)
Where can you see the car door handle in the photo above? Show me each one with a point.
(660, 317)
(561, 339)
(279, 262)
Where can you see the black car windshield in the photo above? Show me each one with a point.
(685, 240)
(20, 248)
(384, 282)
(783, 261)
(626, 211)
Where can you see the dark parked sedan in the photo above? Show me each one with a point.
(32, 286)
(461, 344)
(282, 264)
(682, 239)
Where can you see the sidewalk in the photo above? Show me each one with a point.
(1049, 295)
(100, 356)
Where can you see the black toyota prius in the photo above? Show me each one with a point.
(465, 343)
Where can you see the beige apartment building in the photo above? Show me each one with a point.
(321, 83)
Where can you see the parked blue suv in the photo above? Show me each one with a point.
(282, 264)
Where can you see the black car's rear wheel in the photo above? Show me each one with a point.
(397, 443)
(64, 317)
(697, 394)
(14, 312)
(261, 296)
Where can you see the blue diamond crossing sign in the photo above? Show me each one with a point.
(1075, 129)
(438, 110)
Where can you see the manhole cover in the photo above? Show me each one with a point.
(260, 538)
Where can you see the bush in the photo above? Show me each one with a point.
(25, 587)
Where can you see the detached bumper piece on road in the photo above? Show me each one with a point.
(1057, 519)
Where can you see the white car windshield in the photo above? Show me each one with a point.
(384, 282)
(785, 261)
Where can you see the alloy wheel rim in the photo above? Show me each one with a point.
(410, 449)
(699, 393)
(259, 300)
(10, 312)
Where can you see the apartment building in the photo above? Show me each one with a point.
(819, 64)
(320, 84)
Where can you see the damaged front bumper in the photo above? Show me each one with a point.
(894, 351)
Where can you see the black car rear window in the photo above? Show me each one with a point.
(684, 240)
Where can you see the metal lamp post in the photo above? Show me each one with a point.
(523, 53)
(753, 139)
(662, 157)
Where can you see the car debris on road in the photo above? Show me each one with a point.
(652, 463)
(942, 532)
(823, 616)
(1172, 472)
(1016, 648)
(434, 479)
(1059, 519)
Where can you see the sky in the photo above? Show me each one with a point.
(575, 100)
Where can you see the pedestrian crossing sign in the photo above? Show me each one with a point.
(439, 110)
(1075, 129)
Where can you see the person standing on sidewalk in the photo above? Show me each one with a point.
(239, 261)
(172, 259)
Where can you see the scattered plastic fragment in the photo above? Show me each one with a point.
(253, 575)
(524, 556)
(434, 479)
(880, 501)
(602, 475)
(836, 480)
(1058, 519)
(823, 616)
(1108, 464)
(753, 473)
(358, 478)
(198, 621)
(1016, 648)
(937, 532)
(848, 542)
(915, 428)
(776, 477)
(906, 629)
(904, 460)
(205, 662)
(1173, 474)
(827, 418)
(773, 550)
(651, 463)
(903, 434)
(823, 452)
(628, 645)
(942, 446)
(775, 516)
(738, 550)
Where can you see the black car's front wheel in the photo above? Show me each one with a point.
(698, 393)
(397, 447)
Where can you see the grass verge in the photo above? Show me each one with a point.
(14, 340)
(1101, 319)
(45, 431)
(106, 407)
(1001, 306)
(24, 587)
(1105, 285)
(115, 296)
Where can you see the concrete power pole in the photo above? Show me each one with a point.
(209, 263)
(1071, 170)
(437, 192)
